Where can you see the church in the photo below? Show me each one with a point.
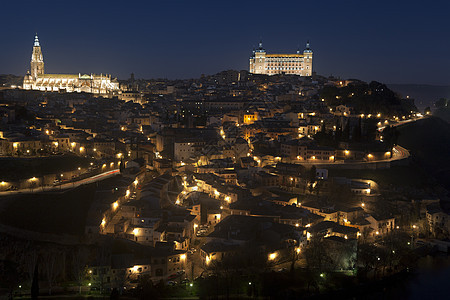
(101, 85)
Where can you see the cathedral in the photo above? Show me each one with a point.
(270, 64)
(37, 79)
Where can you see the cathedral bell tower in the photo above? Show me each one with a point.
(37, 60)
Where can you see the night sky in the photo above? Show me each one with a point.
(389, 41)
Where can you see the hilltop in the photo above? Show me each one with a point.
(372, 98)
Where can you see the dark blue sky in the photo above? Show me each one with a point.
(389, 41)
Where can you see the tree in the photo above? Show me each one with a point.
(390, 136)
(9, 276)
(346, 132)
(366, 258)
(79, 260)
(317, 258)
(35, 284)
(51, 262)
(146, 289)
(342, 254)
(295, 255)
(312, 177)
(357, 131)
(114, 294)
(30, 261)
(441, 103)
(103, 259)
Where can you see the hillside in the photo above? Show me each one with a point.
(9, 79)
(366, 98)
(429, 142)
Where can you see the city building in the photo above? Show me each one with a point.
(37, 79)
(298, 63)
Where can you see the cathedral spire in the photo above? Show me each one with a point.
(37, 60)
(36, 41)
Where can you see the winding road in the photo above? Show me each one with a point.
(64, 186)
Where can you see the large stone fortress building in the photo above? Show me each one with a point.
(38, 80)
(270, 64)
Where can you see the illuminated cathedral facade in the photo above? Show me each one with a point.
(37, 79)
(299, 63)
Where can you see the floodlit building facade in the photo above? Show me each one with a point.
(271, 64)
(101, 84)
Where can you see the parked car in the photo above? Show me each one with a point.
(171, 283)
